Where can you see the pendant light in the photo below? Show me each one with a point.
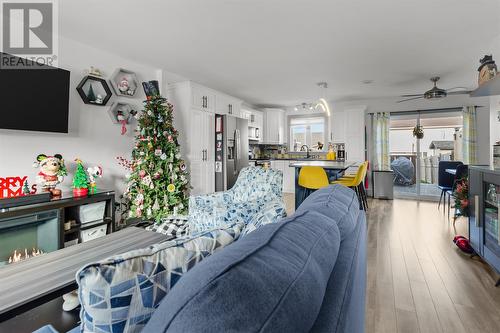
(322, 103)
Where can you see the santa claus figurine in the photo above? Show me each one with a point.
(52, 172)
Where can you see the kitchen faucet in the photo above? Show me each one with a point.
(307, 150)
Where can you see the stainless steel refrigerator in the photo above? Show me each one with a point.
(231, 150)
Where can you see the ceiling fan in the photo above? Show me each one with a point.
(435, 92)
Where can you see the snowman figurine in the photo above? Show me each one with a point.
(99, 99)
(120, 116)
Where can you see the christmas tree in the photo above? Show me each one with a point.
(158, 183)
(80, 179)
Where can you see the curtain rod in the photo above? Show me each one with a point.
(398, 113)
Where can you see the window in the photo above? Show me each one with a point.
(307, 131)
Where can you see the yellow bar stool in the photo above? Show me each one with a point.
(312, 178)
(356, 184)
(351, 176)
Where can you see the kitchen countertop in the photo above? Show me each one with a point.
(338, 165)
(288, 159)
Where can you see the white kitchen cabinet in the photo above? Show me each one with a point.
(202, 98)
(288, 177)
(355, 134)
(257, 119)
(245, 114)
(228, 105)
(338, 127)
(288, 174)
(195, 122)
(348, 126)
(202, 155)
(255, 123)
(274, 125)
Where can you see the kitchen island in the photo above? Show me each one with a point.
(333, 169)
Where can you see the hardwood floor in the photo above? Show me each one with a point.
(417, 280)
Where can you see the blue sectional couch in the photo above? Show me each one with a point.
(305, 273)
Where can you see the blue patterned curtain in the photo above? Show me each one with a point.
(381, 160)
(469, 137)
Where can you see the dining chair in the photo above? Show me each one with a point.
(445, 179)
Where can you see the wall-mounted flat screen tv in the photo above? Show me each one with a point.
(33, 99)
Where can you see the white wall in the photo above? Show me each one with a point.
(92, 136)
(494, 49)
(494, 122)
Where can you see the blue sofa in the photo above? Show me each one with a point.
(304, 273)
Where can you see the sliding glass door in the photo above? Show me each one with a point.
(403, 155)
(415, 160)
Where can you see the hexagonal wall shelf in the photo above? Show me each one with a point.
(124, 109)
(94, 90)
(124, 82)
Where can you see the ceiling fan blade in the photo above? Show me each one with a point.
(412, 95)
(463, 92)
(410, 99)
(463, 88)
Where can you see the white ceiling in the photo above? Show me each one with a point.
(274, 51)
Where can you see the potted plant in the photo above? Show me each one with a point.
(462, 197)
(80, 180)
(418, 132)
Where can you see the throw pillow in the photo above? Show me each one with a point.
(176, 226)
(120, 294)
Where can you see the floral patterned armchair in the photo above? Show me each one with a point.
(256, 196)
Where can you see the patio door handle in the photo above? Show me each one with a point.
(476, 210)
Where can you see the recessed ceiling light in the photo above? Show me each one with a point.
(367, 81)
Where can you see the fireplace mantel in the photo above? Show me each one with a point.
(64, 209)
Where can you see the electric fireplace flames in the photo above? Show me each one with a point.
(23, 255)
(25, 236)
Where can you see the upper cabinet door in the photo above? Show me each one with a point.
(222, 104)
(203, 99)
(338, 127)
(228, 105)
(274, 126)
(355, 134)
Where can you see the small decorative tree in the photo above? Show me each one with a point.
(91, 94)
(158, 183)
(80, 180)
(26, 189)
